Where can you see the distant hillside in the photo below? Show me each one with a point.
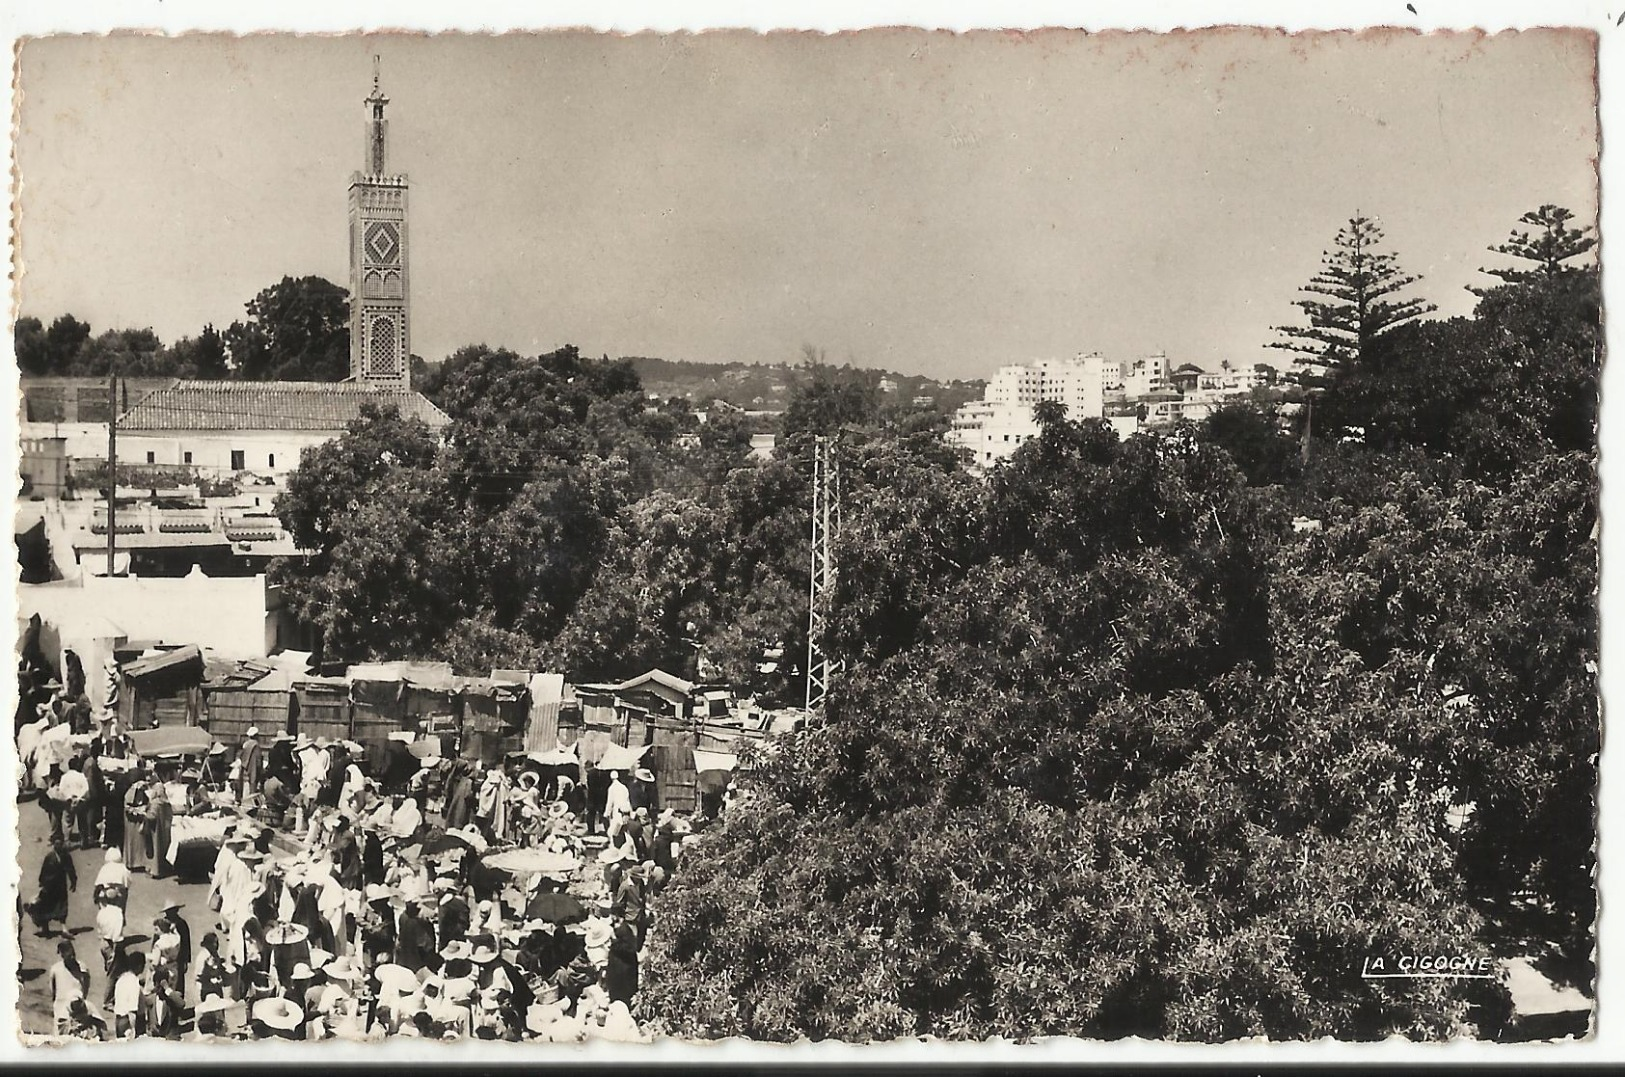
(766, 387)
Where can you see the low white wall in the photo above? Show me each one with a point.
(225, 615)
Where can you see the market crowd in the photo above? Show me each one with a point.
(352, 892)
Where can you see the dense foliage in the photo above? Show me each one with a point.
(1119, 747)
(1119, 750)
(296, 330)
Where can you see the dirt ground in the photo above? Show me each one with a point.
(147, 896)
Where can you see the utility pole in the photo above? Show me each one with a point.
(825, 511)
(112, 465)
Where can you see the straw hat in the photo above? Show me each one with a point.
(457, 949)
(643, 774)
(614, 854)
(217, 748)
(252, 731)
(379, 892)
(279, 1013)
(302, 971)
(557, 809)
(599, 934)
(171, 905)
(340, 968)
(213, 1004)
(542, 1016)
(483, 954)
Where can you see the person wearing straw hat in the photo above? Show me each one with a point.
(303, 986)
(209, 1015)
(214, 973)
(277, 1017)
(216, 766)
(631, 902)
(644, 790)
(170, 918)
(336, 1001)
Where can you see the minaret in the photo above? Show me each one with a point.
(380, 348)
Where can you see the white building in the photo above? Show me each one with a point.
(222, 428)
(1140, 377)
(994, 427)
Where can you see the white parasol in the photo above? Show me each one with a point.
(533, 862)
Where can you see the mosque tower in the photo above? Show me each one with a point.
(380, 349)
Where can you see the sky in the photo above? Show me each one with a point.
(923, 202)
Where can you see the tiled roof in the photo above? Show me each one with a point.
(271, 405)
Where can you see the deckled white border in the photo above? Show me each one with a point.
(28, 17)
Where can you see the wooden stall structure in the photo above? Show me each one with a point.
(165, 688)
(321, 707)
(495, 715)
(399, 697)
(672, 760)
(253, 696)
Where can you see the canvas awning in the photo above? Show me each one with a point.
(171, 740)
(558, 757)
(720, 761)
(616, 757)
(153, 663)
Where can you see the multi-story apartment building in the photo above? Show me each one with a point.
(997, 425)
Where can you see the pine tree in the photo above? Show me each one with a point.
(1549, 248)
(1357, 279)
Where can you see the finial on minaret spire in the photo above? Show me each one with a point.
(376, 129)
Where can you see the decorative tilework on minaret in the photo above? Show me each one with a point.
(380, 349)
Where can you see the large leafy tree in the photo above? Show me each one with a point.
(336, 480)
(1055, 795)
(296, 330)
(1352, 301)
(33, 355)
(388, 586)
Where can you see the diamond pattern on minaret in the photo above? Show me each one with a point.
(382, 243)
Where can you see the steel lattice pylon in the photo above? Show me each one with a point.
(826, 516)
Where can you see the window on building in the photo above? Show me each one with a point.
(237, 460)
(270, 459)
(152, 458)
(186, 457)
(1007, 437)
